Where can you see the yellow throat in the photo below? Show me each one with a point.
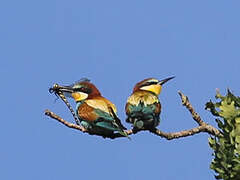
(155, 88)
(79, 96)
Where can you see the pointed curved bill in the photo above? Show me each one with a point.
(66, 89)
(161, 82)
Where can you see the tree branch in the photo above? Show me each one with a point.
(81, 128)
(186, 103)
(66, 123)
(169, 136)
(203, 127)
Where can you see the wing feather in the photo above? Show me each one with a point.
(101, 103)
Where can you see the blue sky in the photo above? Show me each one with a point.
(115, 44)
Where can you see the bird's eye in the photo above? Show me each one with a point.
(82, 89)
(149, 83)
(78, 89)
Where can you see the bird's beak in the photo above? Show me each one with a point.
(56, 88)
(161, 82)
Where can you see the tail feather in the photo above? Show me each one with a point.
(117, 120)
(119, 124)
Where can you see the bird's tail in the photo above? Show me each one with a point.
(118, 123)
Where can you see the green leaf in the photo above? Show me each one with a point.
(236, 160)
(211, 140)
(237, 139)
(219, 170)
(237, 168)
(237, 120)
(228, 111)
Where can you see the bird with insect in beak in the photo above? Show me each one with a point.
(143, 106)
(96, 113)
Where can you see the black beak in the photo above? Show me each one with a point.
(165, 80)
(56, 88)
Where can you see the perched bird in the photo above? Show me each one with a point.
(96, 113)
(143, 106)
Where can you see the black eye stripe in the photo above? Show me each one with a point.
(82, 89)
(148, 83)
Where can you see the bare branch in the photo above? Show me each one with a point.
(203, 127)
(169, 136)
(186, 103)
(66, 123)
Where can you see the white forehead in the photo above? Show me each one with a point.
(152, 80)
(77, 86)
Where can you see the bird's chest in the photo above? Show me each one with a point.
(142, 99)
(78, 108)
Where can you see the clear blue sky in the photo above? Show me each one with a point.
(115, 44)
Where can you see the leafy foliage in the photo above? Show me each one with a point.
(226, 162)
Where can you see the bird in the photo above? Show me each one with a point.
(96, 113)
(143, 107)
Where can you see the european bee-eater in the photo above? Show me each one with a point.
(143, 106)
(95, 112)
